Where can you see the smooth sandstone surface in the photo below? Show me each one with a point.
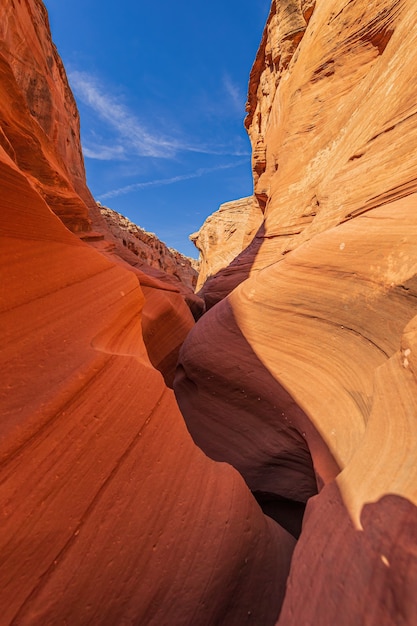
(310, 346)
(109, 512)
(336, 122)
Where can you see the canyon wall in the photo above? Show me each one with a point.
(110, 513)
(311, 344)
(40, 132)
(302, 376)
(150, 249)
(39, 117)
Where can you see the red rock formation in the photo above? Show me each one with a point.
(313, 352)
(106, 503)
(39, 117)
(40, 132)
(225, 234)
(151, 250)
(110, 514)
(168, 281)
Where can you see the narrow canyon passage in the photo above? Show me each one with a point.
(237, 412)
(277, 483)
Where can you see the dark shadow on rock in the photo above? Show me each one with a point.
(224, 281)
(288, 513)
(369, 575)
(237, 412)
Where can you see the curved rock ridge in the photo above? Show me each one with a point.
(166, 278)
(302, 375)
(40, 131)
(225, 234)
(110, 513)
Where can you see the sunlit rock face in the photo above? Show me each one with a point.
(225, 234)
(110, 513)
(310, 347)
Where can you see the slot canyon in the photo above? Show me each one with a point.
(238, 447)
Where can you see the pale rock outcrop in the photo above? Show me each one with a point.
(332, 122)
(225, 234)
(110, 513)
(314, 351)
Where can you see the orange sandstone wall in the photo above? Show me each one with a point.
(39, 131)
(311, 345)
(39, 117)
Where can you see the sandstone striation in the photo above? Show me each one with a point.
(106, 502)
(110, 513)
(39, 124)
(39, 117)
(303, 376)
(225, 234)
(309, 349)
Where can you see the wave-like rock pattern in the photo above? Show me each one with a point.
(338, 126)
(110, 513)
(314, 351)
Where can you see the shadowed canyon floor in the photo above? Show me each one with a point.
(299, 383)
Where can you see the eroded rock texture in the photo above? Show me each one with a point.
(109, 512)
(312, 345)
(225, 234)
(147, 247)
(39, 117)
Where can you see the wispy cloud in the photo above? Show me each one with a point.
(169, 181)
(234, 93)
(104, 153)
(133, 136)
(120, 118)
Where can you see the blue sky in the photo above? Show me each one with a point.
(161, 88)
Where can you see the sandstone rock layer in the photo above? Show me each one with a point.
(110, 513)
(106, 502)
(309, 349)
(147, 247)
